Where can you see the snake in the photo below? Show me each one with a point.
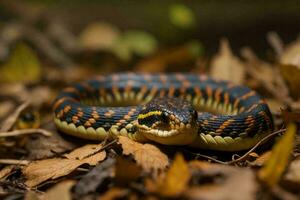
(166, 108)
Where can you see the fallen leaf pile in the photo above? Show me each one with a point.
(41, 52)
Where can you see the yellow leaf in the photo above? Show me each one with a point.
(22, 66)
(176, 179)
(181, 16)
(291, 74)
(278, 161)
(148, 156)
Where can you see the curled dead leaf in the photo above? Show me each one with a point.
(226, 66)
(222, 182)
(148, 156)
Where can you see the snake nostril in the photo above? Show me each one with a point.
(195, 114)
(165, 117)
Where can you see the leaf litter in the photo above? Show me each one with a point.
(130, 169)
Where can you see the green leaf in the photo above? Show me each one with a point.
(22, 66)
(279, 159)
(135, 42)
(181, 16)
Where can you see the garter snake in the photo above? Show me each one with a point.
(171, 109)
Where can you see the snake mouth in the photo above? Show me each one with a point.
(169, 134)
(161, 129)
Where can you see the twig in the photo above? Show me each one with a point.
(10, 121)
(247, 153)
(14, 162)
(25, 132)
(275, 42)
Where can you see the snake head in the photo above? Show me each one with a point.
(168, 121)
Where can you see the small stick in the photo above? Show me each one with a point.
(14, 162)
(247, 153)
(25, 132)
(10, 121)
(275, 41)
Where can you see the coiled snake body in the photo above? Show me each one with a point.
(172, 109)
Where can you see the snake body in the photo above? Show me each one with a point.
(172, 109)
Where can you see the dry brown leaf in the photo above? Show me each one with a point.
(97, 36)
(176, 179)
(226, 66)
(6, 107)
(170, 57)
(132, 172)
(85, 151)
(60, 191)
(291, 54)
(275, 105)
(261, 69)
(40, 171)
(46, 147)
(90, 153)
(96, 158)
(148, 156)
(200, 165)
(293, 172)
(228, 182)
(262, 159)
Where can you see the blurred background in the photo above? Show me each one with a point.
(65, 32)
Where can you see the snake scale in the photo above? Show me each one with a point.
(171, 109)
